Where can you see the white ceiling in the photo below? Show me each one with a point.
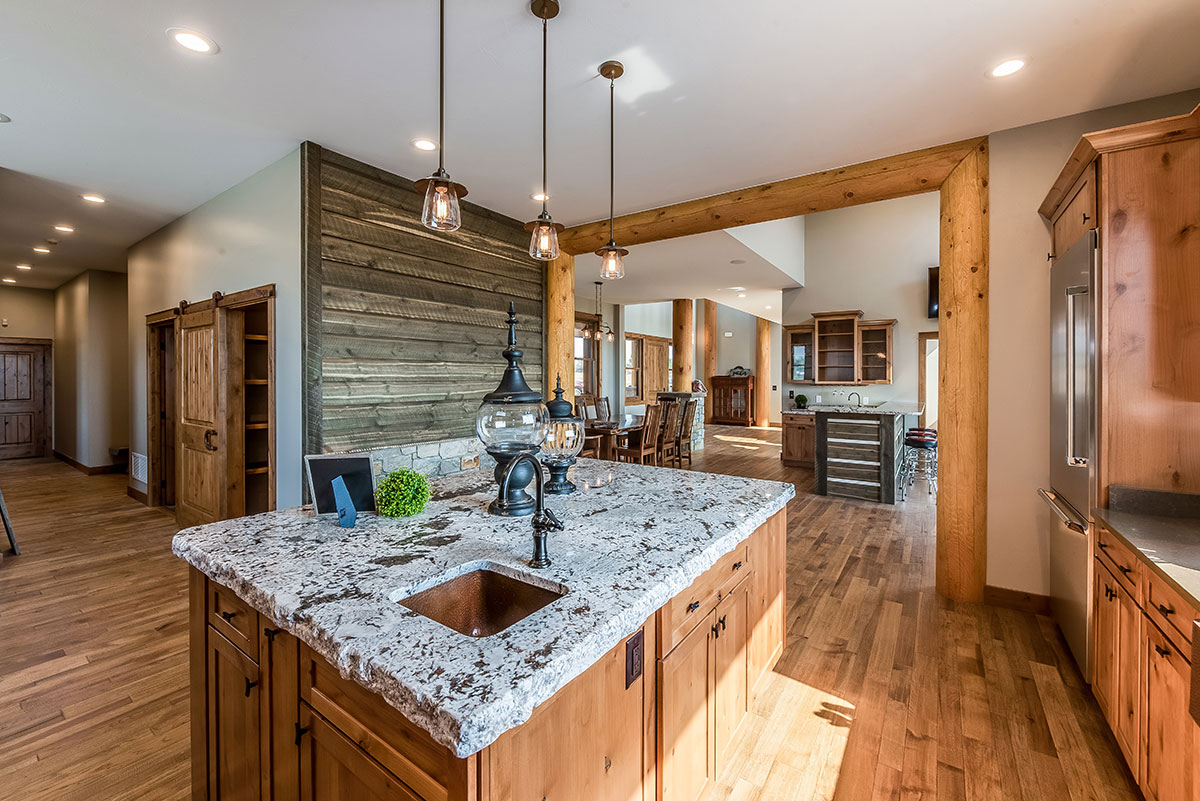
(697, 266)
(716, 95)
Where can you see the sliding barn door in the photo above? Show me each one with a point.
(23, 418)
(200, 491)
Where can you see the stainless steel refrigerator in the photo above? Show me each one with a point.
(1072, 440)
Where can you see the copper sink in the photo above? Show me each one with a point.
(481, 603)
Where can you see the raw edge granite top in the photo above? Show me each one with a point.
(636, 536)
(890, 407)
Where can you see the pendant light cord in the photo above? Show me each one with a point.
(612, 157)
(545, 189)
(442, 87)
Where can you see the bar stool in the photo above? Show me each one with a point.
(920, 458)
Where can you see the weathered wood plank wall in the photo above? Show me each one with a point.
(404, 326)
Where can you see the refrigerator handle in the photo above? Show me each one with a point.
(1072, 459)
(1068, 519)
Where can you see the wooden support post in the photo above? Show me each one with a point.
(709, 367)
(683, 343)
(762, 372)
(963, 378)
(560, 325)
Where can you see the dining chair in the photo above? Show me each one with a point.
(603, 410)
(591, 447)
(683, 443)
(668, 442)
(642, 444)
(586, 406)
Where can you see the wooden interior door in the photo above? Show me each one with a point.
(202, 450)
(24, 422)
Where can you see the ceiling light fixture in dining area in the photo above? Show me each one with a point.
(1009, 67)
(441, 210)
(193, 41)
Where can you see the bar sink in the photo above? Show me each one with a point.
(482, 602)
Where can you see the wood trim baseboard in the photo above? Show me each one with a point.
(90, 471)
(1016, 599)
(137, 495)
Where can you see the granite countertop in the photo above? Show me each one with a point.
(891, 407)
(636, 536)
(1171, 545)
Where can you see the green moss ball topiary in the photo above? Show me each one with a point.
(402, 494)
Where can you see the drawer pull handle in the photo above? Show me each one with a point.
(270, 634)
(716, 630)
(722, 622)
(1163, 652)
(1125, 571)
(250, 685)
(737, 565)
(1166, 610)
(1102, 546)
(300, 732)
(227, 616)
(693, 606)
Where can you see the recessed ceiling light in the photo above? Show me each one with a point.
(10, 280)
(741, 294)
(738, 288)
(540, 197)
(424, 144)
(91, 198)
(193, 41)
(5, 118)
(766, 307)
(737, 261)
(24, 267)
(66, 229)
(41, 249)
(1006, 68)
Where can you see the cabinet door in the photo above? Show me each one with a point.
(234, 723)
(792, 440)
(1169, 730)
(767, 598)
(1104, 642)
(808, 442)
(332, 768)
(685, 724)
(730, 674)
(1128, 687)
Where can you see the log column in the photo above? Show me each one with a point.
(683, 344)
(560, 325)
(762, 372)
(709, 341)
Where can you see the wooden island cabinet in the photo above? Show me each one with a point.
(653, 719)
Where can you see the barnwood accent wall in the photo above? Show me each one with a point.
(403, 326)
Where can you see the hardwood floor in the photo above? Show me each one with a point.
(93, 649)
(883, 691)
(886, 691)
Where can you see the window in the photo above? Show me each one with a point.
(587, 356)
(633, 368)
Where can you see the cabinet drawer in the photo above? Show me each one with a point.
(683, 612)
(864, 431)
(1121, 561)
(1170, 611)
(852, 470)
(394, 741)
(1077, 214)
(234, 618)
(864, 451)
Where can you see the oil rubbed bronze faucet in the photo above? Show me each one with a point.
(544, 520)
(859, 398)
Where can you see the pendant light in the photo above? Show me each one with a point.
(612, 265)
(602, 329)
(441, 211)
(543, 240)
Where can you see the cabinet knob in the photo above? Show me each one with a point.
(1163, 652)
(300, 732)
(1086, 217)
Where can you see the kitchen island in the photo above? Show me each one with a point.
(312, 678)
(857, 449)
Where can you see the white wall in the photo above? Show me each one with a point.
(245, 237)
(780, 242)
(610, 352)
(652, 319)
(26, 313)
(1023, 164)
(873, 257)
(91, 368)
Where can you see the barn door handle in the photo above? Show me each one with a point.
(208, 435)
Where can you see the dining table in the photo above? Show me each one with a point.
(610, 431)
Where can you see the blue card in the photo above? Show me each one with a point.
(347, 514)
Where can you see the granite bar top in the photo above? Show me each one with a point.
(894, 408)
(636, 536)
(1171, 545)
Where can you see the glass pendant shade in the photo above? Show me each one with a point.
(441, 211)
(612, 263)
(610, 336)
(543, 244)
